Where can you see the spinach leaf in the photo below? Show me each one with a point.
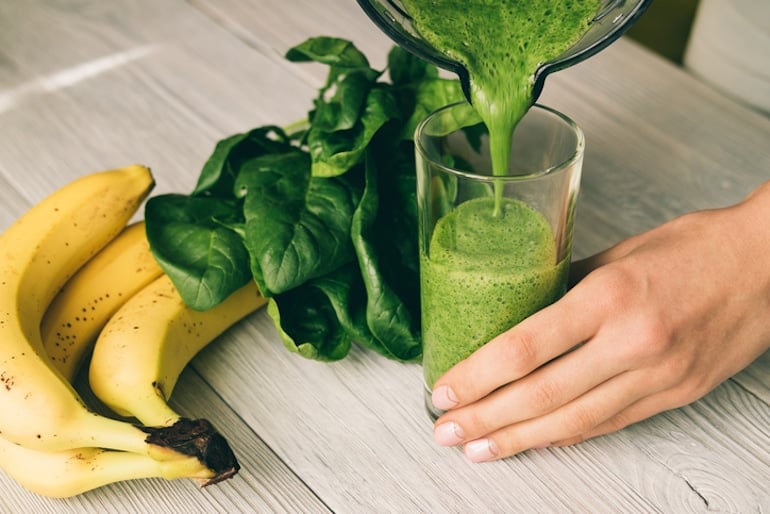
(194, 243)
(405, 68)
(307, 324)
(343, 109)
(345, 292)
(221, 168)
(297, 226)
(334, 153)
(390, 318)
(418, 89)
(429, 95)
(328, 50)
(340, 55)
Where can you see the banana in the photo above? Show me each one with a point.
(80, 310)
(143, 349)
(71, 472)
(39, 409)
(38, 254)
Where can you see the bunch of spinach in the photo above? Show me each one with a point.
(323, 217)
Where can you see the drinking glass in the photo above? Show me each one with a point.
(493, 248)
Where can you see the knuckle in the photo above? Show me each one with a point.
(619, 422)
(652, 337)
(619, 286)
(579, 420)
(476, 423)
(545, 395)
(519, 351)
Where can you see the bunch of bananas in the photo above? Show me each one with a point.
(76, 280)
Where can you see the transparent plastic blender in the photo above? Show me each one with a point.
(612, 20)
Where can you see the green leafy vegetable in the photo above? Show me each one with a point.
(338, 151)
(297, 225)
(222, 168)
(390, 316)
(322, 216)
(308, 325)
(333, 51)
(191, 240)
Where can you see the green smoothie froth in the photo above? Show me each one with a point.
(484, 274)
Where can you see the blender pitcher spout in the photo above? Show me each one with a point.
(611, 21)
(614, 18)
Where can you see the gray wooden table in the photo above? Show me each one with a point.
(89, 84)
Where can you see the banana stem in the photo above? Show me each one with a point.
(119, 435)
(181, 440)
(156, 412)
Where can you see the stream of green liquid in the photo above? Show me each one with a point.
(501, 43)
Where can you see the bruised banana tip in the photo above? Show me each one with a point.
(197, 438)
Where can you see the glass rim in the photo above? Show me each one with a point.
(566, 163)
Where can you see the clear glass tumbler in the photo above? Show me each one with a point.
(493, 248)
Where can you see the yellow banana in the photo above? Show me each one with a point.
(143, 349)
(39, 409)
(85, 303)
(72, 472)
(38, 254)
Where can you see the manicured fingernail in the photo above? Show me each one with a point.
(444, 398)
(481, 450)
(448, 434)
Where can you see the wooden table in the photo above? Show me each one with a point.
(90, 84)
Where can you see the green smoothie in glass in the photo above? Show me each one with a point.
(492, 261)
(485, 274)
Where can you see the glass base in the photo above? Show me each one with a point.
(433, 412)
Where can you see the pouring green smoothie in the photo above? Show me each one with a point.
(492, 261)
(501, 43)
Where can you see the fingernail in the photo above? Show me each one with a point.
(481, 450)
(448, 434)
(444, 398)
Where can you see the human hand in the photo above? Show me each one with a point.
(658, 321)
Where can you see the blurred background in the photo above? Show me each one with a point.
(724, 42)
(666, 26)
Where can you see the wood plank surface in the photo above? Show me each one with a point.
(87, 84)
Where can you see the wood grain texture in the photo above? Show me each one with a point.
(87, 84)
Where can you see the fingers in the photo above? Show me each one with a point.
(517, 352)
(620, 401)
(638, 411)
(540, 392)
(572, 421)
